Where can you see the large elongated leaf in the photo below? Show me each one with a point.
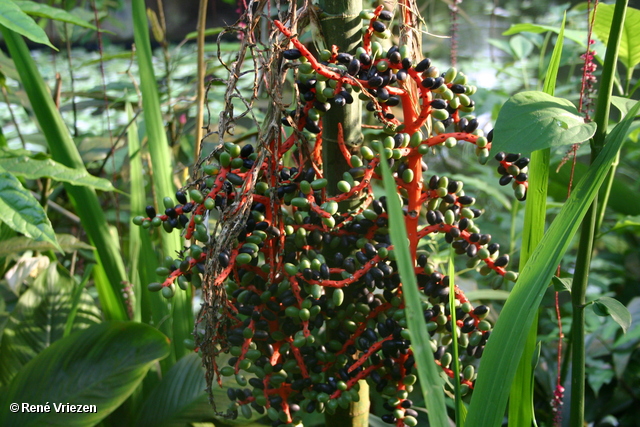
(85, 200)
(100, 366)
(577, 36)
(180, 398)
(22, 212)
(44, 11)
(39, 318)
(629, 51)
(18, 244)
(33, 169)
(531, 121)
(13, 18)
(430, 382)
(503, 350)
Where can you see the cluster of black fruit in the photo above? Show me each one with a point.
(318, 300)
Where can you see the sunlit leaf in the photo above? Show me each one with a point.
(44, 11)
(606, 306)
(531, 121)
(14, 19)
(629, 50)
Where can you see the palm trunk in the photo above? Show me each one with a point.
(341, 26)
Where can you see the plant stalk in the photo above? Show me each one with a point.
(588, 229)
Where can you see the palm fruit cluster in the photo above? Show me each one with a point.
(315, 303)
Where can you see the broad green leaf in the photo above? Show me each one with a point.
(632, 222)
(430, 381)
(561, 284)
(623, 104)
(629, 51)
(531, 121)
(34, 169)
(14, 19)
(499, 366)
(180, 398)
(520, 46)
(606, 306)
(100, 366)
(68, 243)
(44, 11)
(39, 318)
(22, 212)
(574, 35)
(208, 32)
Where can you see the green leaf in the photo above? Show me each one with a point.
(629, 51)
(531, 121)
(16, 20)
(100, 366)
(499, 366)
(606, 306)
(430, 381)
(520, 46)
(623, 104)
(34, 169)
(68, 243)
(22, 212)
(180, 398)
(39, 319)
(44, 11)
(574, 35)
(562, 284)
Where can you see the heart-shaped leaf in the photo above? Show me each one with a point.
(99, 366)
(561, 284)
(531, 121)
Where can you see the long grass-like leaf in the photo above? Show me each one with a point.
(85, 200)
(182, 318)
(430, 382)
(504, 349)
(521, 398)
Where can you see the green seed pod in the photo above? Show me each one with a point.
(483, 155)
(325, 55)
(475, 338)
(450, 75)
(290, 269)
(301, 203)
(520, 191)
(305, 187)
(454, 102)
(464, 389)
(243, 259)
(484, 325)
(156, 222)
(469, 372)
(304, 314)
(366, 153)
(407, 176)
(356, 161)
(168, 202)
(168, 291)
(344, 186)
(319, 184)
(446, 359)
(236, 163)
(449, 217)
(410, 421)
(439, 114)
(450, 142)
(162, 271)
(438, 128)
(511, 276)
(376, 50)
(154, 287)
(448, 95)
(225, 159)
(196, 196)
(338, 297)
(416, 139)
(482, 142)
(382, 65)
